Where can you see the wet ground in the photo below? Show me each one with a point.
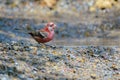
(85, 47)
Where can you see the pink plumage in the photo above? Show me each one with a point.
(44, 35)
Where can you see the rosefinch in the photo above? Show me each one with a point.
(44, 35)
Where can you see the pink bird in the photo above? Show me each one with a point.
(44, 35)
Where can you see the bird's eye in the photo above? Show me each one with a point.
(51, 25)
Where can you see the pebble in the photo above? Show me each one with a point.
(16, 47)
(4, 77)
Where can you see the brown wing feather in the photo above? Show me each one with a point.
(39, 33)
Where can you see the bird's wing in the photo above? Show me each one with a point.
(39, 33)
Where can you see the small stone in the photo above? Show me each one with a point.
(33, 50)
(93, 76)
(92, 9)
(4, 77)
(0, 44)
(16, 64)
(16, 48)
(54, 52)
(114, 67)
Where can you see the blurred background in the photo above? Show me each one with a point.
(80, 22)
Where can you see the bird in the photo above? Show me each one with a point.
(45, 34)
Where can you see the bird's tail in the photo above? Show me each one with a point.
(26, 29)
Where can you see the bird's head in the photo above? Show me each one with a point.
(50, 26)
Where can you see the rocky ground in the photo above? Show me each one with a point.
(85, 47)
(25, 61)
